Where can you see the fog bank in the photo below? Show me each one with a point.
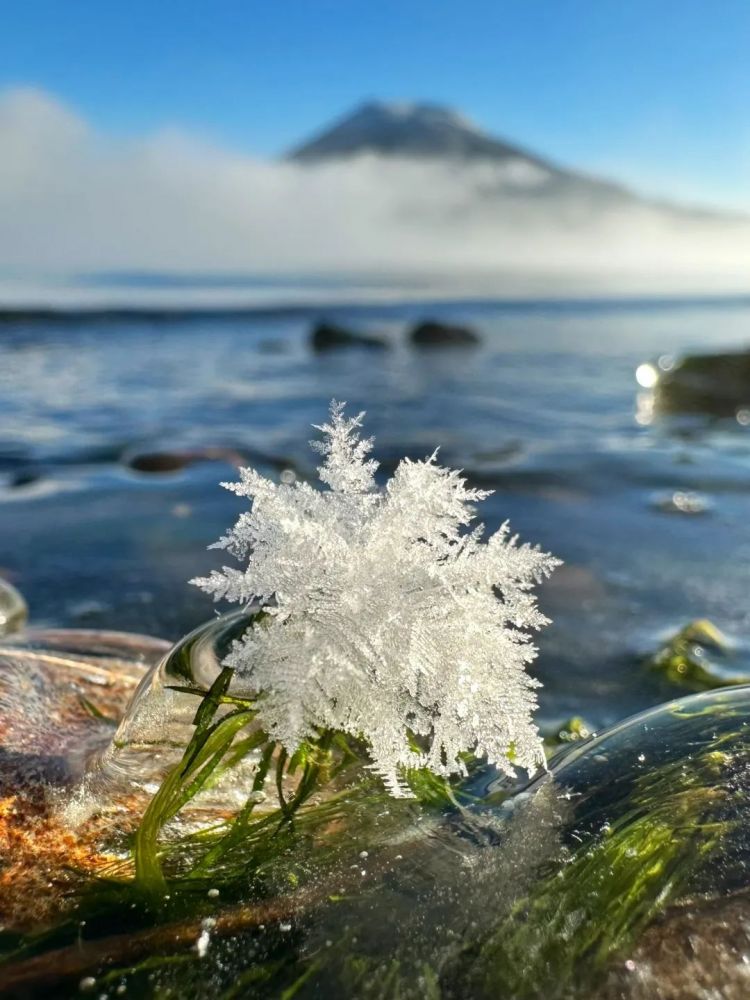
(72, 200)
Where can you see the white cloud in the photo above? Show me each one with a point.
(72, 199)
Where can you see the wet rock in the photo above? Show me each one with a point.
(164, 461)
(61, 693)
(698, 950)
(13, 609)
(329, 337)
(715, 384)
(698, 658)
(174, 461)
(431, 333)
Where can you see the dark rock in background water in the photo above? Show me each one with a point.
(431, 333)
(174, 461)
(157, 462)
(329, 337)
(715, 384)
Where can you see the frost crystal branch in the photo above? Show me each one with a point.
(392, 620)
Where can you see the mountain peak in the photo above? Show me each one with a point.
(410, 130)
(413, 113)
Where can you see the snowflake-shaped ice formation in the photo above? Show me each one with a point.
(392, 620)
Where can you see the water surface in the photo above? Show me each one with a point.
(545, 412)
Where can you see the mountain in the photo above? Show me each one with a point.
(421, 184)
(494, 167)
(408, 130)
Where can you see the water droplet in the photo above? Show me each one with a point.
(201, 945)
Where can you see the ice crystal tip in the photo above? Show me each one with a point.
(393, 622)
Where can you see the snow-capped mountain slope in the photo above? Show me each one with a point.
(434, 133)
(485, 168)
(412, 130)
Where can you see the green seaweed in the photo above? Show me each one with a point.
(252, 838)
(209, 744)
(612, 885)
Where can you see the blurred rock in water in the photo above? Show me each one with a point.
(431, 333)
(715, 384)
(328, 337)
(174, 461)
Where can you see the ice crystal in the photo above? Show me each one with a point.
(393, 621)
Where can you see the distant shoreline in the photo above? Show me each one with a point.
(75, 314)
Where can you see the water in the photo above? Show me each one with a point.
(545, 412)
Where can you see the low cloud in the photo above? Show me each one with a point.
(72, 199)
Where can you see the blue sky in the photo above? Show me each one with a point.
(655, 92)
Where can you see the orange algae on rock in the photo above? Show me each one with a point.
(60, 695)
(43, 861)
